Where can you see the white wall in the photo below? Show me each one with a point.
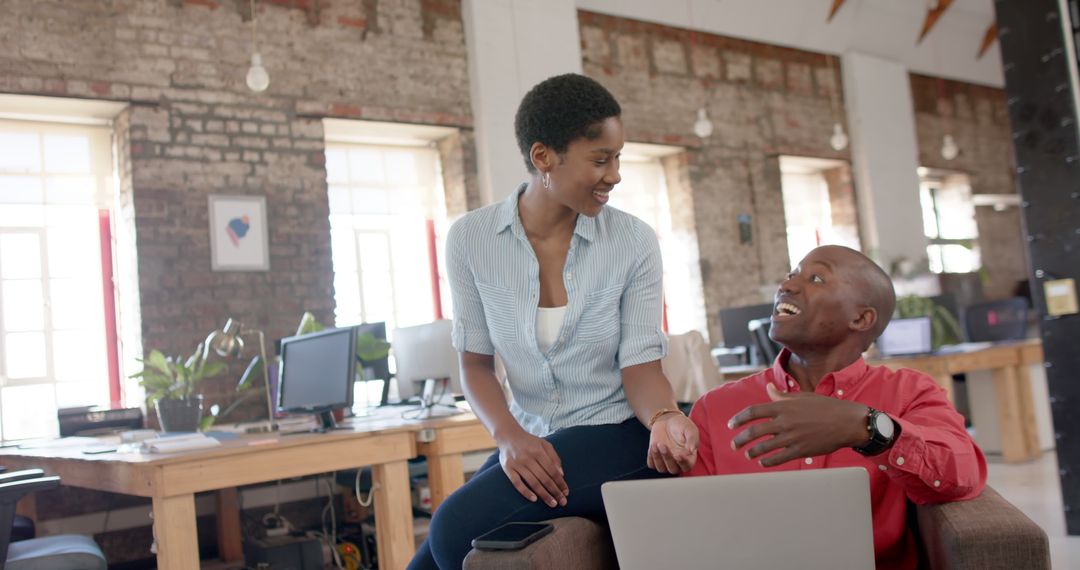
(881, 118)
(512, 45)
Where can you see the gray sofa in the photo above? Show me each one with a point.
(985, 533)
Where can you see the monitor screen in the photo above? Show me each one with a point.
(905, 336)
(735, 321)
(378, 369)
(425, 352)
(318, 370)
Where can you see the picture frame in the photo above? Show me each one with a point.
(239, 235)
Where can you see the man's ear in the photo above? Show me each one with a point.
(542, 157)
(865, 320)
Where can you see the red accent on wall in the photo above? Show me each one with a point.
(109, 297)
(433, 257)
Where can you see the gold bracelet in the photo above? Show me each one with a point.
(661, 412)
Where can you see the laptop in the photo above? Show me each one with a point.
(905, 336)
(786, 519)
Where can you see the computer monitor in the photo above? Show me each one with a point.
(317, 373)
(905, 336)
(734, 326)
(765, 346)
(425, 356)
(377, 369)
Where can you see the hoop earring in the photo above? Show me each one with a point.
(545, 179)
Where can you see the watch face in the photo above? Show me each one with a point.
(884, 425)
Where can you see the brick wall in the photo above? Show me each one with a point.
(763, 100)
(194, 129)
(978, 119)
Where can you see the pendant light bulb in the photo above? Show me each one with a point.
(839, 139)
(257, 77)
(949, 149)
(703, 127)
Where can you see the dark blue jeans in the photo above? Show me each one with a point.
(591, 456)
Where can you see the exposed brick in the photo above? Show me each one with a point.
(669, 57)
(769, 72)
(738, 66)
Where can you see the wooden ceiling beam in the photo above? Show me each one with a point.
(932, 16)
(988, 39)
(836, 5)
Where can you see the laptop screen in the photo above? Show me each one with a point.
(905, 336)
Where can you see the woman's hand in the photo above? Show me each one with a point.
(673, 444)
(534, 468)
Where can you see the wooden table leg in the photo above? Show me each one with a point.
(230, 546)
(27, 507)
(1014, 447)
(1027, 412)
(446, 473)
(393, 515)
(175, 532)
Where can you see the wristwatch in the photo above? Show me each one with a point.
(882, 433)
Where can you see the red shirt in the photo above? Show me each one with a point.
(933, 460)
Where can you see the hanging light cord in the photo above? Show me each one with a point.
(254, 25)
(832, 89)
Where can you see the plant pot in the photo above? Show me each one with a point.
(180, 415)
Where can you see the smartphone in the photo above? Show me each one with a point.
(512, 536)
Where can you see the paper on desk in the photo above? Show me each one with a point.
(174, 443)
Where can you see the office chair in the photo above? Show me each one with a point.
(61, 552)
(997, 320)
(759, 332)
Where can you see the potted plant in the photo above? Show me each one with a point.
(170, 383)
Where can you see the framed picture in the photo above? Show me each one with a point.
(238, 233)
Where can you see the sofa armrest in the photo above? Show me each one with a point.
(573, 543)
(985, 533)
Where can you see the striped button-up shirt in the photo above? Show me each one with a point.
(614, 285)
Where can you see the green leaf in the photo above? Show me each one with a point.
(369, 348)
(206, 422)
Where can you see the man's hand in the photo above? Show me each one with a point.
(534, 468)
(673, 444)
(801, 425)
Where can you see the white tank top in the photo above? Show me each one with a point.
(548, 322)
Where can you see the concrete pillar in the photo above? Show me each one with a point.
(881, 118)
(512, 45)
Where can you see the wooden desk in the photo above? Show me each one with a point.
(444, 442)
(172, 480)
(1007, 364)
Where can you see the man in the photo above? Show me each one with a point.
(821, 405)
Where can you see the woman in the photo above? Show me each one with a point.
(568, 293)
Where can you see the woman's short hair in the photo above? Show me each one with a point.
(560, 109)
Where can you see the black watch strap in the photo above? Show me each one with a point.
(878, 442)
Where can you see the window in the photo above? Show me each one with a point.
(819, 205)
(382, 199)
(949, 221)
(54, 182)
(643, 193)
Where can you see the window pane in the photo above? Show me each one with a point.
(78, 354)
(401, 168)
(85, 392)
(20, 152)
(20, 256)
(67, 153)
(70, 189)
(956, 212)
(370, 201)
(343, 250)
(337, 166)
(83, 218)
(957, 258)
(339, 199)
(25, 355)
(365, 165)
(20, 216)
(29, 411)
(74, 304)
(375, 253)
(23, 305)
(20, 190)
(929, 214)
(74, 254)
